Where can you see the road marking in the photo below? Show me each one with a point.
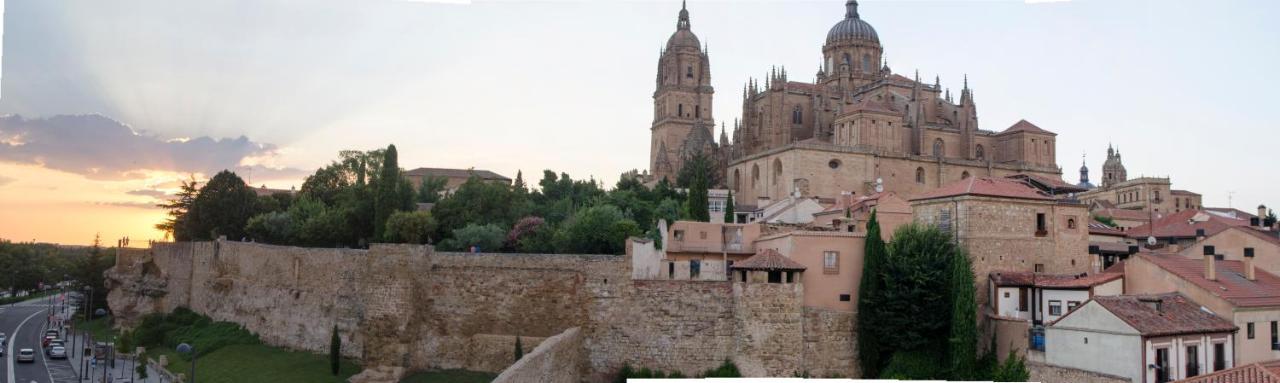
(15, 336)
(45, 361)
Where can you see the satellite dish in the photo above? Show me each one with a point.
(1151, 240)
(879, 185)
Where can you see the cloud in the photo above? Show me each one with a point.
(103, 149)
(132, 204)
(6, 180)
(147, 193)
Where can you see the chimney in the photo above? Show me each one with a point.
(1210, 271)
(1248, 264)
(1262, 211)
(1199, 235)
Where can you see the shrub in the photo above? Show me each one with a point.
(913, 365)
(726, 370)
(1012, 370)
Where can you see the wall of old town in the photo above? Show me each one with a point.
(409, 308)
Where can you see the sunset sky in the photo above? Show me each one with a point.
(109, 104)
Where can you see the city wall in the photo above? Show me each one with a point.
(408, 308)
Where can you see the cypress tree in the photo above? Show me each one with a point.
(386, 199)
(335, 351)
(874, 253)
(964, 326)
(729, 215)
(696, 204)
(519, 349)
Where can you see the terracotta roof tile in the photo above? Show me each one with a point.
(456, 173)
(1230, 285)
(985, 186)
(1059, 281)
(1183, 224)
(1175, 314)
(1024, 126)
(1124, 214)
(1100, 228)
(769, 259)
(1264, 372)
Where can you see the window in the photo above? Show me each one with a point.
(1249, 328)
(834, 163)
(830, 262)
(1071, 305)
(1039, 267)
(1041, 227)
(866, 63)
(847, 60)
(1022, 299)
(965, 175)
(938, 148)
(1055, 308)
(1006, 294)
(755, 174)
(688, 71)
(797, 116)
(944, 221)
(671, 270)
(697, 111)
(679, 235)
(702, 234)
(1162, 365)
(1219, 356)
(777, 172)
(845, 297)
(979, 152)
(920, 175)
(1275, 338)
(695, 268)
(775, 277)
(1193, 360)
(1071, 223)
(680, 110)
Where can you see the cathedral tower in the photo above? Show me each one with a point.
(852, 54)
(682, 120)
(1113, 171)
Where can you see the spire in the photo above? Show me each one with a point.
(966, 81)
(683, 23)
(937, 82)
(851, 9)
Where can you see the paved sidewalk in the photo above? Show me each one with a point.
(123, 371)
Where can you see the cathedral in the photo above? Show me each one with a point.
(858, 125)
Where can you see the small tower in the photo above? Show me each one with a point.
(1113, 171)
(1084, 174)
(681, 100)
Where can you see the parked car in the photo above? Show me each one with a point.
(57, 343)
(57, 352)
(26, 355)
(2, 339)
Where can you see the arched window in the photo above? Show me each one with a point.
(777, 172)
(1071, 223)
(965, 175)
(755, 174)
(680, 110)
(920, 175)
(978, 152)
(866, 63)
(797, 116)
(938, 148)
(737, 180)
(847, 60)
(688, 71)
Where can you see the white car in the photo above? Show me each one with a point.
(26, 355)
(58, 352)
(2, 339)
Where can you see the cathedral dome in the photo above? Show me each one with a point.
(683, 36)
(852, 27)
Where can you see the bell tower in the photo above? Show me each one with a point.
(681, 101)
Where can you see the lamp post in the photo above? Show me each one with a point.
(187, 348)
(88, 302)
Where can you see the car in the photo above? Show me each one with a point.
(53, 333)
(57, 343)
(57, 352)
(2, 339)
(26, 355)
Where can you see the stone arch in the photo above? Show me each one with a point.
(965, 175)
(777, 171)
(979, 152)
(939, 148)
(920, 175)
(755, 174)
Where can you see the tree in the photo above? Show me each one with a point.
(519, 349)
(964, 327)
(177, 208)
(1014, 369)
(913, 303)
(729, 215)
(483, 237)
(275, 228)
(1105, 220)
(698, 164)
(600, 229)
(335, 351)
(478, 202)
(869, 349)
(430, 189)
(141, 369)
(1270, 218)
(530, 235)
(386, 197)
(518, 184)
(410, 227)
(696, 202)
(222, 207)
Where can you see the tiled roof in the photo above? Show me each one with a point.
(1229, 212)
(1057, 185)
(1052, 281)
(457, 173)
(1124, 214)
(1100, 228)
(985, 186)
(1116, 268)
(1111, 247)
(1024, 126)
(1230, 285)
(1182, 192)
(1269, 236)
(1264, 372)
(769, 259)
(1175, 315)
(1183, 224)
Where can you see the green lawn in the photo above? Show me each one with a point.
(259, 363)
(100, 329)
(449, 376)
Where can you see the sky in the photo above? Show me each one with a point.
(108, 105)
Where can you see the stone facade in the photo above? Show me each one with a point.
(548, 362)
(1044, 373)
(403, 308)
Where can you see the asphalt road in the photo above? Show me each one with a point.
(24, 323)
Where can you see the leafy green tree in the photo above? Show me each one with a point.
(530, 234)
(964, 326)
(176, 208)
(141, 369)
(729, 215)
(598, 229)
(518, 184)
(274, 227)
(869, 347)
(430, 189)
(698, 165)
(913, 305)
(222, 207)
(1014, 369)
(696, 202)
(913, 365)
(486, 238)
(1270, 218)
(1106, 220)
(410, 227)
(478, 202)
(326, 184)
(335, 351)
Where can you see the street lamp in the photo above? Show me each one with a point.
(189, 349)
(88, 302)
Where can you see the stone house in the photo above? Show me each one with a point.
(1234, 290)
(833, 260)
(1146, 338)
(850, 213)
(454, 177)
(1110, 244)
(1179, 230)
(1235, 242)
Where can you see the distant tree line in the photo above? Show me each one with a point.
(25, 266)
(364, 197)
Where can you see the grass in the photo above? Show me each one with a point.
(450, 376)
(258, 363)
(100, 329)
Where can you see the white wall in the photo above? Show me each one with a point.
(1177, 347)
(1092, 339)
(1063, 296)
(1115, 287)
(1009, 305)
(646, 260)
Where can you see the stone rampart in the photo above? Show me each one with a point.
(406, 308)
(547, 362)
(1045, 373)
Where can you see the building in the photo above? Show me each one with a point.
(1233, 290)
(1264, 372)
(264, 191)
(1122, 218)
(1239, 242)
(1009, 226)
(1179, 230)
(454, 178)
(1110, 244)
(857, 123)
(833, 260)
(1153, 197)
(1146, 338)
(1042, 298)
(851, 213)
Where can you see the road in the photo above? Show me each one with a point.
(24, 324)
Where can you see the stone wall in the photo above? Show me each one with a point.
(548, 362)
(406, 308)
(1045, 373)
